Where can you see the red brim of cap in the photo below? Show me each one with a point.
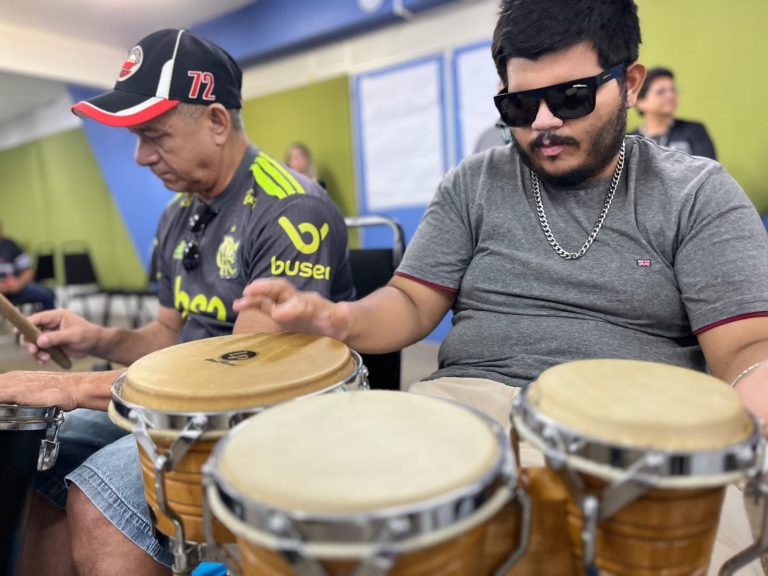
(123, 109)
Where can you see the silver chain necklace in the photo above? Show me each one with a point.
(599, 224)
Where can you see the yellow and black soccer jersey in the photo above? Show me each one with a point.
(269, 222)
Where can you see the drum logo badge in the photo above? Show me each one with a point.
(225, 258)
(233, 358)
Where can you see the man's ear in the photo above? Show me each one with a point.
(219, 122)
(634, 78)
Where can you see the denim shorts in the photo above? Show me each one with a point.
(102, 460)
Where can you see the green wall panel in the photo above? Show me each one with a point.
(53, 192)
(717, 51)
(317, 115)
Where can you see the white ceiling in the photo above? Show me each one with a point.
(112, 22)
(45, 44)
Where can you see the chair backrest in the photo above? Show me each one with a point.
(78, 266)
(45, 263)
(372, 268)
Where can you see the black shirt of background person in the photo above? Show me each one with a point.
(689, 137)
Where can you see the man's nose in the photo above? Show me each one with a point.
(545, 120)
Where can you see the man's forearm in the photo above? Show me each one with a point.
(388, 320)
(126, 346)
(94, 388)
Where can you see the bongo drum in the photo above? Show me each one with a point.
(28, 443)
(181, 400)
(646, 451)
(381, 482)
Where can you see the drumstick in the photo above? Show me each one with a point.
(30, 331)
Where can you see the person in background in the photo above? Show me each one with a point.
(574, 242)
(496, 135)
(16, 275)
(299, 158)
(237, 215)
(656, 103)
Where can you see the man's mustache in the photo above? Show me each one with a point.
(552, 139)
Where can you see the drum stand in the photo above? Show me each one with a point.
(186, 555)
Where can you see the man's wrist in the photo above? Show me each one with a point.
(744, 373)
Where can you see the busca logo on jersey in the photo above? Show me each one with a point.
(226, 257)
(306, 231)
(306, 238)
(131, 64)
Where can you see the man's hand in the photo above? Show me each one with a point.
(38, 389)
(76, 336)
(296, 311)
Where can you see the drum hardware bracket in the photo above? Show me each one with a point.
(291, 546)
(628, 487)
(555, 454)
(49, 449)
(224, 555)
(522, 498)
(380, 563)
(184, 556)
(758, 489)
(618, 494)
(590, 510)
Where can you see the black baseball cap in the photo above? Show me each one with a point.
(162, 70)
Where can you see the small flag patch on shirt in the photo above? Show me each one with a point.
(644, 263)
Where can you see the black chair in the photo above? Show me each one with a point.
(82, 282)
(372, 268)
(80, 279)
(45, 263)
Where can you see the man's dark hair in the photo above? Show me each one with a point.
(652, 75)
(533, 28)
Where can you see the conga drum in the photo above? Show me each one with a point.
(646, 451)
(181, 400)
(28, 443)
(381, 482)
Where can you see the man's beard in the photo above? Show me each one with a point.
(604, 143)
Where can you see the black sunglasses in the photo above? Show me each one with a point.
(197, 224)
(567, 101)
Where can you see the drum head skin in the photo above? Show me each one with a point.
(358, 452)
(641, 404)
(232, 372)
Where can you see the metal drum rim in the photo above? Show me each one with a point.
(19, 417)
(171, 421)
(256, 514)
(530, 422)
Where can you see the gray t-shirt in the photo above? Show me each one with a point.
(270, 221)
(681, 250)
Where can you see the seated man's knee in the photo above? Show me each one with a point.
(86, 526)
(92, 533)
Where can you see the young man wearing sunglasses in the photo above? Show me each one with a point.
(238, 215)
(574, 242)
